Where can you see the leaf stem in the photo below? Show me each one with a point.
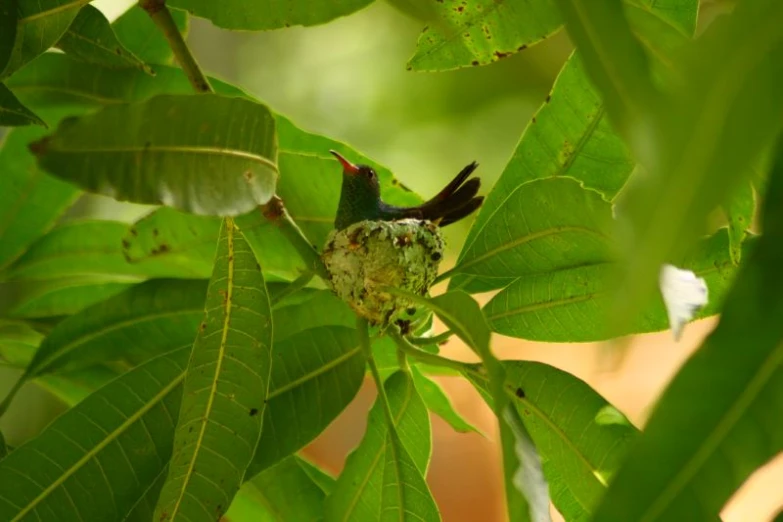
(161, 15)
(295, 285)
(11, 394)
(275, 212)
(425, 357)
(425, 341)
(364, 341)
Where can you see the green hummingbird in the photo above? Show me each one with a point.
(360, 198)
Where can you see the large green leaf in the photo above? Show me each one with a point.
(8, 17)
(695, 453)
(60, 297)
(143, 321)
(97, 460)
(722, 113)
(206, 154)
(274, 14)
(570, 134)
(615, 61)
(225, 391)
(38, 26)
(739, 212)
(544, 225)
(138, 33)
(321, 308)
(478, 32)
(571, 305)
(315, 374)
(383, 478)
(13, 113)
(91, 38)
(30, 200)
(582, 439)
(285, 492)
(88, 248)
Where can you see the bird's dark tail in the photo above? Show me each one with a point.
(457, 199)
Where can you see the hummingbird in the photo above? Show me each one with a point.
(360, 198)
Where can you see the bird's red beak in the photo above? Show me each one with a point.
(348, 167)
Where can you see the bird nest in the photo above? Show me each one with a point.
(369, 255)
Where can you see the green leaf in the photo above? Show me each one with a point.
(479, 32)
(261, 16)
(383, 478)
(91, 38)
(570, 134)
(438, 402)
(138, 33)
(8, 19)
(117, 441)
(694, 453)
(282, 493)
(13, 113)
(205, 154)
(88, 248)
(321, 308)
(740, 211)
(63, 296)
(571, 305)
(73, 387)
(315, 374)
(615, 62)
(30, 200)
(143, 321)
(580, 451)
(225, 391)
(55, 80)
(39, 25)
(702, 151)
(543, 225)
(3, 447)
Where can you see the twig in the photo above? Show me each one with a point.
(275, 212)
(295, 285)
(364, 342)
(424, 341)
(425, 357)
(161, 15)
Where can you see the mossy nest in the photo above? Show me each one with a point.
(369, 255)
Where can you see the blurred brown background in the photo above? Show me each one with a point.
(348, 80)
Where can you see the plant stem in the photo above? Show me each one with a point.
(161, 15)
(425, 357)
(364, 341)
(275, 212)
(424, 341)
(296, 285)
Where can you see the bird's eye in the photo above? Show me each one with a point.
(371, 174)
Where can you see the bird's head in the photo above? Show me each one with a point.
(358, 180)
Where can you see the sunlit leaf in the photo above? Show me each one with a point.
(315, 374)
(694, 454)
(478, 32)
(138, 33)
(206, 154)
(117, 440)
(38, 26)
(274, 14)
(90, 38)
(141, 322)
(383, 478)
(225, 390)
(13, 113)
(269, 495)
(580, 455)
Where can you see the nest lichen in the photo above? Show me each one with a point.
(368, 255)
